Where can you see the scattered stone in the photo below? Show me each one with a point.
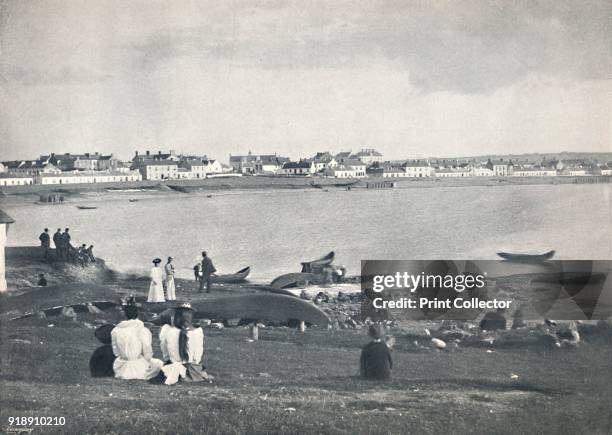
(93, 309)
(69, 312)
(205, 322)
(290, 409)
(216, 325)
(264, 375)
(19, 340)
(41, 315)
(513, 376)
(232, 322)
(438, 344)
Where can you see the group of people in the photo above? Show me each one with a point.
(64, 249)
(162, 287)
(181, 343)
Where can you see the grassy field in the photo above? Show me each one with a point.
(289, 382)
(304, 383)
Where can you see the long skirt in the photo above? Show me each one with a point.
(156, 292)
(170, 289)
(171, 373)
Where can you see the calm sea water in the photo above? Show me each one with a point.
(274, 231)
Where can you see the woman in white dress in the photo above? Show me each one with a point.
(170, 288)
(182, 348)
(131, 343)
(156, 288)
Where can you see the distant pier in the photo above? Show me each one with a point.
(593, 179)
(381, 185)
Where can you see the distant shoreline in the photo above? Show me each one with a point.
(282, 183)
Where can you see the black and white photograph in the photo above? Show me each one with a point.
(306, 217)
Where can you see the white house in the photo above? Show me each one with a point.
(418, 169)
(303, 167)
(500, 168)
(368, 156)
(452, 172)
(81, 177)
(157, 169)
(7, 179)
(394, 173)
(482, 171)
(5, 221)
(533, 172)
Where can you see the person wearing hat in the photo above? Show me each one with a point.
(66, 246)
(170, 288)
(57, 240)
(206, 271)
(182, 346)
(45, 243)
(131, 342)
(375, 362)
(156, 288)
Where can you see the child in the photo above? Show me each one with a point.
(376, 360)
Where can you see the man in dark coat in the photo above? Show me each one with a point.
(57, 241)
(376, 360)
(45, 243)
(66, 243)
(206, 270)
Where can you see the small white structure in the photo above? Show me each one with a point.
(418, 169)
(5, 221)
(8, 179)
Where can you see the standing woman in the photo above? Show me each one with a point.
(156, 288)
(170, 288)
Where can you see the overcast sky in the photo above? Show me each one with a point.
(410, 78)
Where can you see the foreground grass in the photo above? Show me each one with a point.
(303, 383)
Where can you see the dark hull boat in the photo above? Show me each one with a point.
(326, 260)
(86, 207)
(232, 277)
(526, 258)
(292, 280)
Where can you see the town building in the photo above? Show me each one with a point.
(153, 169)
(85, 162)
(452, 172)
(500, 168)
(303, 168)
(147, 156)
(323, 160)
(519, 171)
(418, 169)
(81, 177)
(30, 167)
(195, 169)
(368, 156)
(7, 179)
(257, 163)
(342, 157)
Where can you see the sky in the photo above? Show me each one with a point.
(409, 78)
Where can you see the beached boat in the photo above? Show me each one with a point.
(320, 262)
(290, 280)
(86, 207)
(527, 258)
(232, 277)
(133, 200)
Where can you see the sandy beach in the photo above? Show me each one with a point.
(294, 382)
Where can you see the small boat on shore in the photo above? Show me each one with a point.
(232, 278)
(526, 258)
(291, 280)
(320, 262)
(133, 200)
(86, 207)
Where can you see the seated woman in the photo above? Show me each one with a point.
(182, 347)
(131, 342)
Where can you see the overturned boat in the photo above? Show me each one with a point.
(526, 258)
(232, 278)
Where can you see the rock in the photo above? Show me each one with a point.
(232, 322)
(264, 375)
(93, 309)
(438, 344)
(290, 409)
(69, 312)
(41, 315)
(216, 325)
(513, 376)
(19, 340)
(205, 322)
